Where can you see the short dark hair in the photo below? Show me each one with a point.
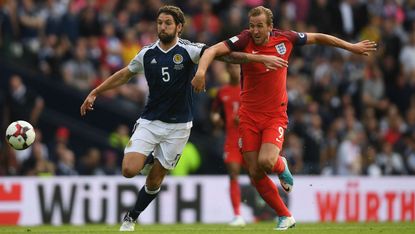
(174, 11)
(262, 10)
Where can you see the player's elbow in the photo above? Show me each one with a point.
(212, 52)
(219, 49)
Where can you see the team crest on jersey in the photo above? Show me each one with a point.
(177, 58)
(281, 49)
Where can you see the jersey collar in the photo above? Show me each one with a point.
(166, 51)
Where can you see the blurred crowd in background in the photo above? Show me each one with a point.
(349, 114)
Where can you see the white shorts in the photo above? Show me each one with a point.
(165, 140)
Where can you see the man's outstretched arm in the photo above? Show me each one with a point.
(221, 52)
(363, 47)
(270, 62)
(117, 79)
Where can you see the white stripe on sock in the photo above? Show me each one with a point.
(151, 192)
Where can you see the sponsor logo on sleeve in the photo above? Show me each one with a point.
(234, 39)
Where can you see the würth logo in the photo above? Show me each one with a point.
(8, 194)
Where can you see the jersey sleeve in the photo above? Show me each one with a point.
(297, 38)
(195, 50)
(136, 65)
(239, 42)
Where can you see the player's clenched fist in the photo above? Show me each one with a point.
(198, 82)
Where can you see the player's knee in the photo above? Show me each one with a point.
(254, 172)
(128, 171)
(256, 175)
(233, 175)
(265, 164)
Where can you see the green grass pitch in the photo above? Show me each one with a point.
(258, 228)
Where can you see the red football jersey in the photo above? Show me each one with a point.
(228, 100)
(264, 90)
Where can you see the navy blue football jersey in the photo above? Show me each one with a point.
(168, 74)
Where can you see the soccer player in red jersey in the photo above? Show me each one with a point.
(225, 109)
(263, 111)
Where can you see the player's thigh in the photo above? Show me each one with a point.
(156, 176)
(141, 144)
(273, 132)
(144, 139)
(169, 151)
(268, 155)
(272, 141)
(250, 136)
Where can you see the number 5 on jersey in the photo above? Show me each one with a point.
(165, 74)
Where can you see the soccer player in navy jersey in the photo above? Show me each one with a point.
(164, 126)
